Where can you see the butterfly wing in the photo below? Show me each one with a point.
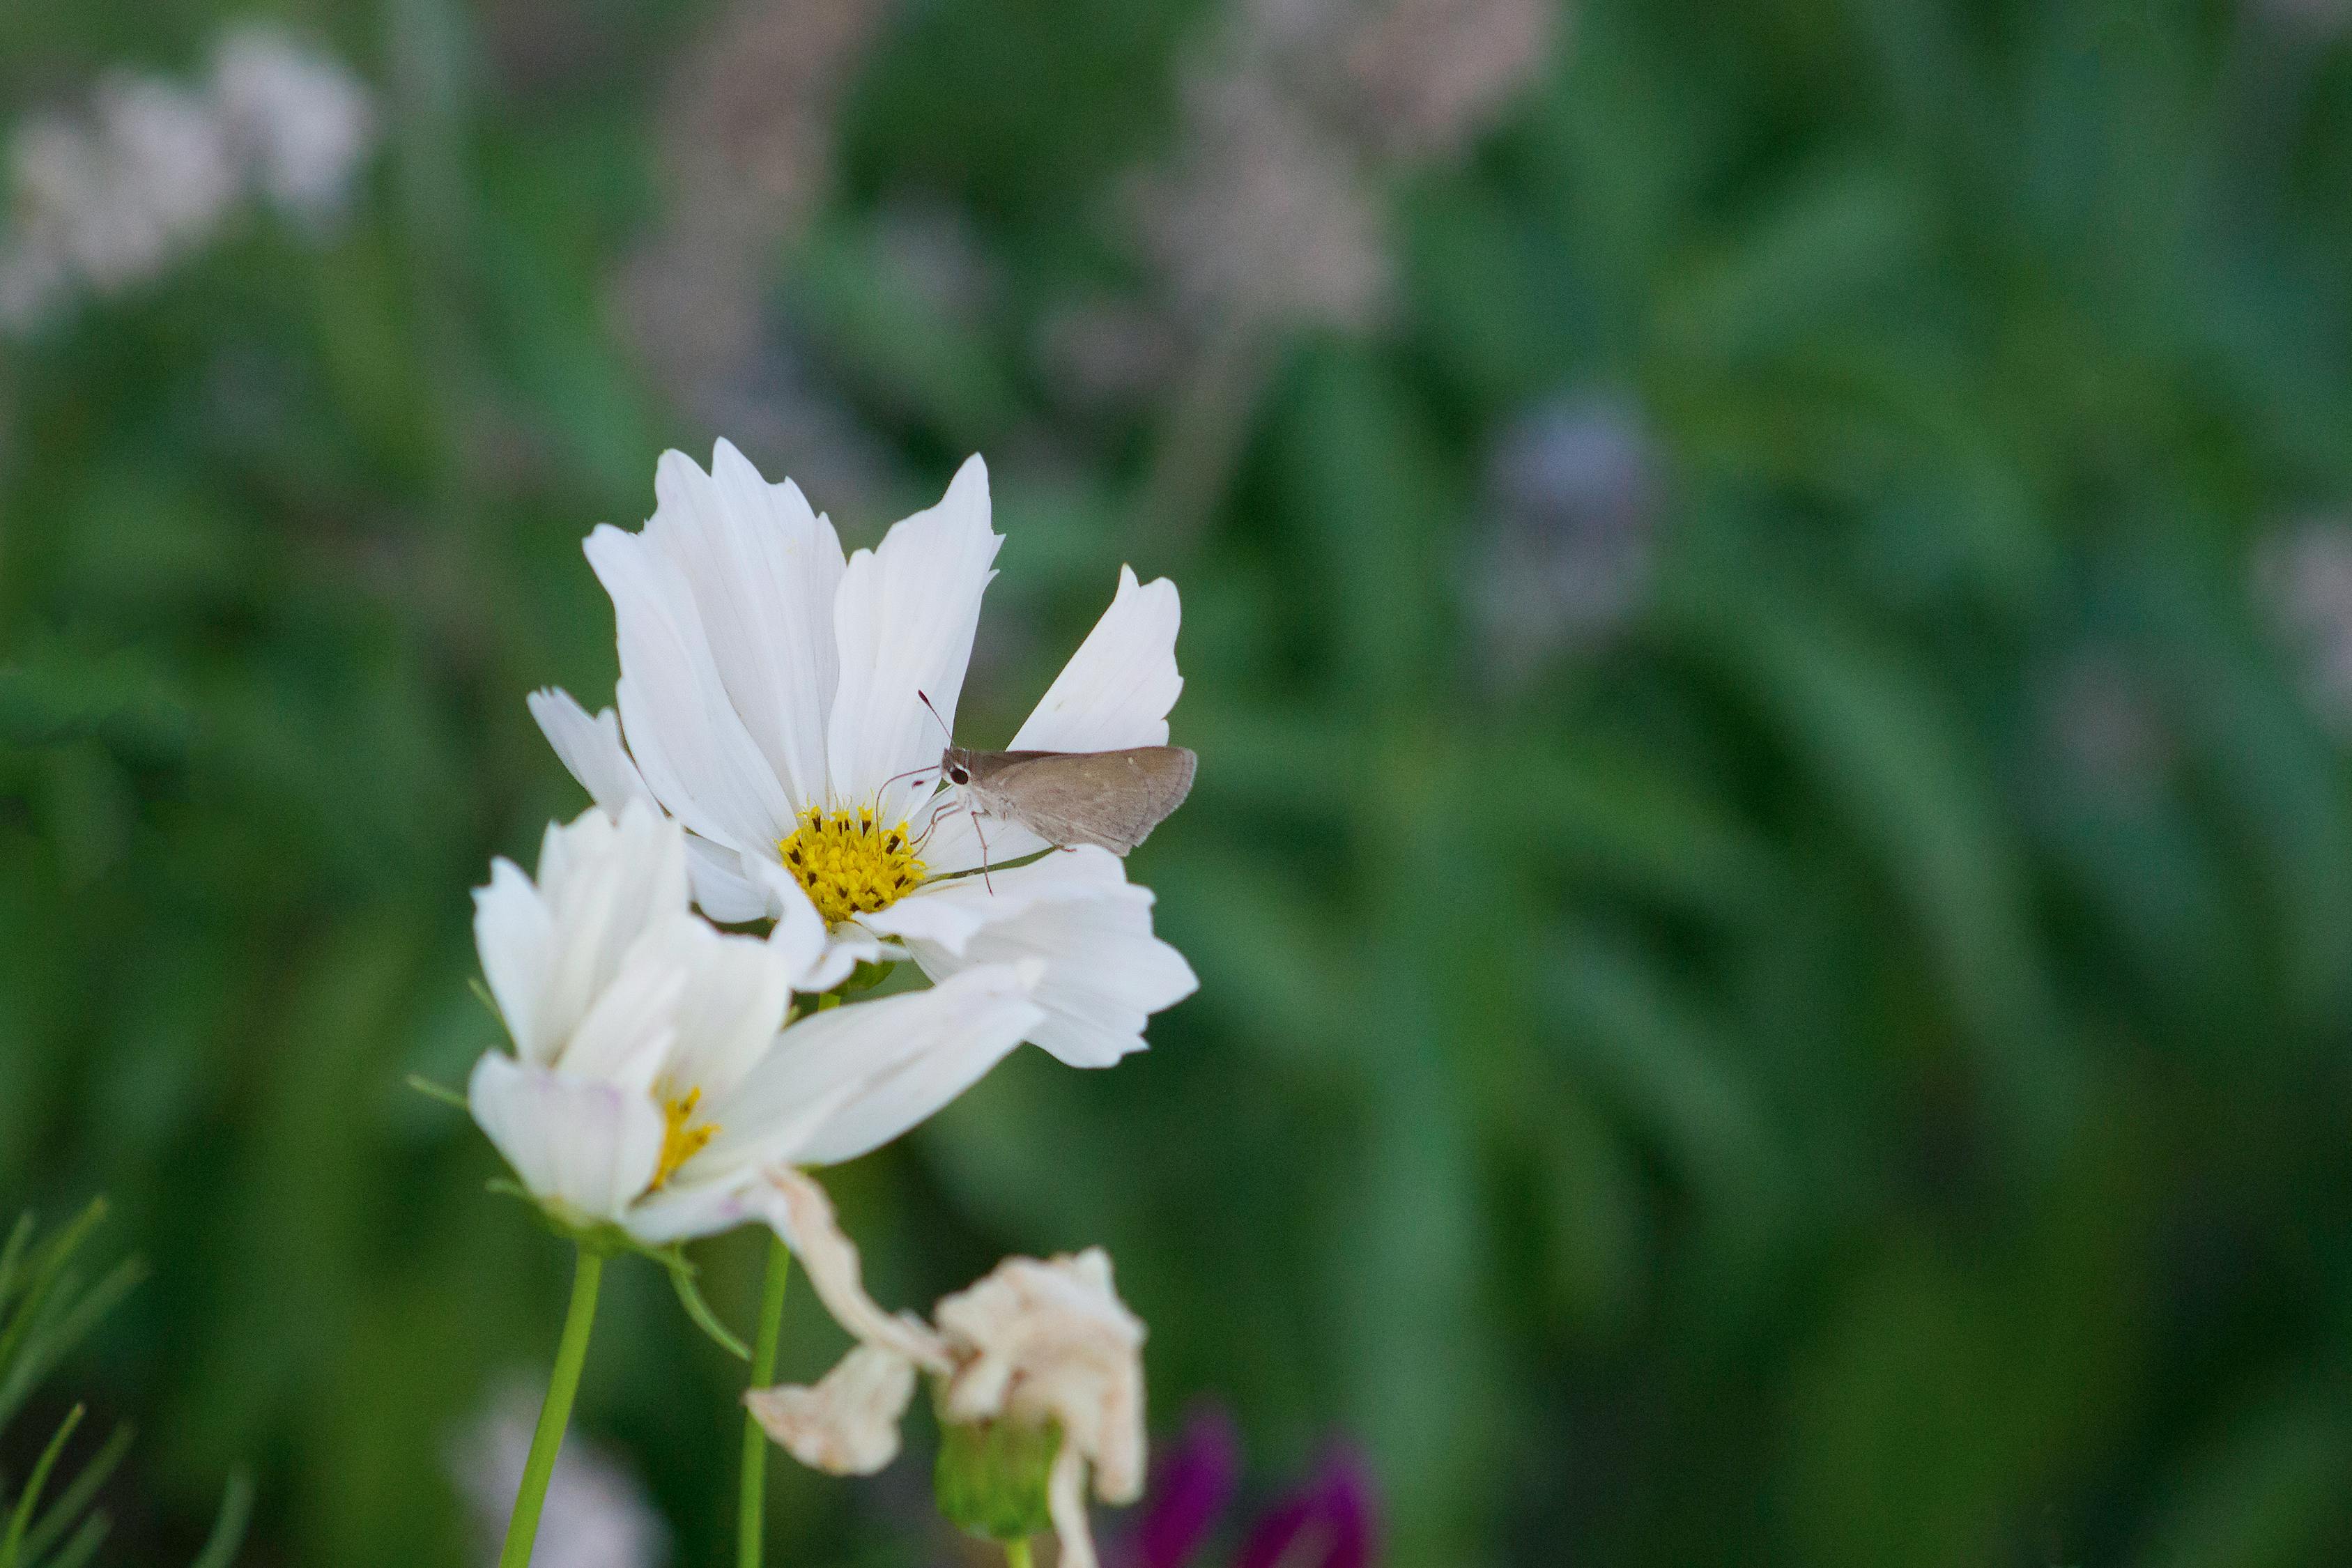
(1113, 799)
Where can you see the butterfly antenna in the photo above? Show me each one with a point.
(935, 714)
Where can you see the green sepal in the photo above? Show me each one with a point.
(482, 994)
(991, 1476)
(440, 1091)
(866, 977)
(681, 1279)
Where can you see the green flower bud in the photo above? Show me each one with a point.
(990, 1478)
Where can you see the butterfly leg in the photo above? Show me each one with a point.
(983, 855)
(933, 826)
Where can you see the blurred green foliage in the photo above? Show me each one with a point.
(1848, 1068)
(46, 1308)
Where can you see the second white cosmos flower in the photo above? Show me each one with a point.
(772, 694)
(650, 1088)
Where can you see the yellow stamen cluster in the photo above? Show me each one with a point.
(680, 1142)
(849, 864)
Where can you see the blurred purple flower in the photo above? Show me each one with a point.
(1194, 1484)
(1574, 498)
(1327, 1523)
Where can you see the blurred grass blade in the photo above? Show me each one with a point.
(20, 1518)
(84, 1544)
(32, 1358)
(228, 1527)
(12, 1256)
(76, 1499)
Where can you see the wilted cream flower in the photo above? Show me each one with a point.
(1037, 1343)
(1051, 1341)
(848, 1424)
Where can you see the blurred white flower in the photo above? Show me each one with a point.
(1037, 1343)
(745, 142)
(597, 1515)
(1571, 501)
(118, 199)
(300, 120)
(2303, 575)
(787, 703)
(1273, 208)
(2102, 723)
(650, 1088)
(103, 202)
(1433, 74)
(1265, 217)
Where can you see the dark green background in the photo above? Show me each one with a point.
(1777, 1083)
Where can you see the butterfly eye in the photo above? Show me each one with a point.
(960, 775)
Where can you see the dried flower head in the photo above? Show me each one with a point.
(1046, 1346)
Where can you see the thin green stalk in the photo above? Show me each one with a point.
(751, 1523)
(752, 1500)
(570, 1354)
(1016, 1554)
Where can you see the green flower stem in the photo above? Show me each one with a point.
(1016, 1554)
(570, 1354)
(752, 1517)
(751, 1526)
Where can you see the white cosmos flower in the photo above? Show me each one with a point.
(650, 1088)
(772, 696)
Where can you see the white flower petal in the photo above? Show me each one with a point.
(904, 619)
(511, 934)
(612, 883)
(589, 749)
(722, 888)
(763, 569)
(605, 885)
(735, 993)
(1117, 690)
(802, 943)
(690, 743)
(848, 1424)
(685, 1209)
(631, 1030)
(881, 1066)
(589, 1147)
(1104, 974)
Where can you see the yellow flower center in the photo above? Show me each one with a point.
(850, 865)
(680, 1142)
